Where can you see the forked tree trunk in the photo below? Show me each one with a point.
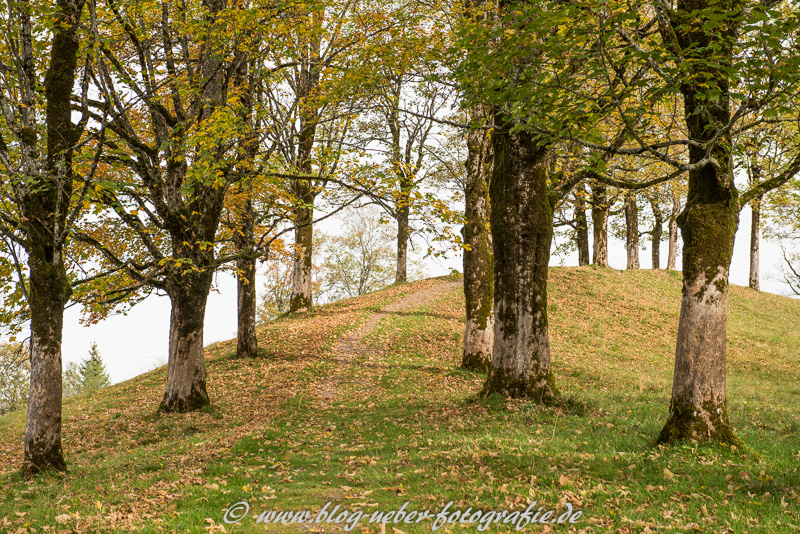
(45, 210)
(755, 227)
(672, 254)
(632, 231)
(582, 225)
(522, 231)
(600, 224)
(478, 272)
(658, 225)
(698, 408)
(186, 370)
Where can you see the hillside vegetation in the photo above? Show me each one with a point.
(301, 426)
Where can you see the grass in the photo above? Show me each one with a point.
(405, 426)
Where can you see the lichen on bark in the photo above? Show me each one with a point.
(522, 231)
(478, 262)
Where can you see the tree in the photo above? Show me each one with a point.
(86, 377)
(38, 143)
(15, 374)
(672, 252)
(360, 260)
(170, 165)
(656, 232)
(600, 207)
(278, 269)
(631, 231)
(582, 225)
(478, 259)
(704, 56)
(93, 372)
(71, 381)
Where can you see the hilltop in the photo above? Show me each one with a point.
(361, 403)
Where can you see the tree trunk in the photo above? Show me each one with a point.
(402, 242)
(632, 231)
(307, 82)
(658, 225)
(186, 371)
(698, 408)
(478, 271)
(49, 292)
(522, 232)
(45, 208)
(244, 238)
(755, 207)
(600, 224)
(302, 297)
(246, 342)
(672, 254)
(582, 230)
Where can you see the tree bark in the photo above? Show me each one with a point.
(658, 225)
(698, 408)
(522, 231)
(45, 208)
(307, 82)
(600, 224)
(49, 293)
(302, 297)
(403, 212)
(186, 371)
(755, 227)
(632, 231)
(478, 265)
(672, 253)
(582, 225)
(246, 341)
(244, 235)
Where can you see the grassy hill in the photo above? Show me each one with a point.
(302, 426)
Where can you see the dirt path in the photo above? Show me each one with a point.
(351, 345)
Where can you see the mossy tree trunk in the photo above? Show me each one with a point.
(599, 224)
(672, 251)
(45, 207)
(186, 370)
(49, 291)
(658, 227)
(755, 230)
(698, 408)
(631, 231)
(522, 232)
(478, 270)
(581, 225)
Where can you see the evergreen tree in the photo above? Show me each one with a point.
(87, 377)
(93, 375)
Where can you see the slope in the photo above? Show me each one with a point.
(367, 410)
